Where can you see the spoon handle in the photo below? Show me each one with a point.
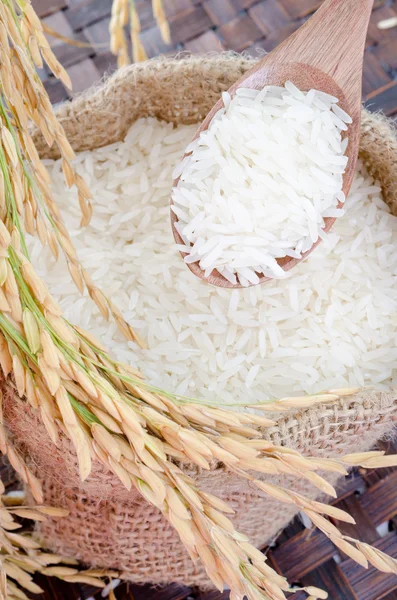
(333, 40)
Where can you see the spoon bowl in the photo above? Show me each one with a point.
(325, 54)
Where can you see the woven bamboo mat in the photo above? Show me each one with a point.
(303, 555)
(209, 26)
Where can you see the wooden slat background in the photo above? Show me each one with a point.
(303, 555)
(209, 26)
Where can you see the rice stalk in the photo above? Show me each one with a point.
(124, 12)
(106, 409)
(22, 557)
(71, 42)
(161, 20)
(24, 179)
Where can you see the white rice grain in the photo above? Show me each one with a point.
(331, 323)
(267, 170)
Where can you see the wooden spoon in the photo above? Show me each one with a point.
(326, 54)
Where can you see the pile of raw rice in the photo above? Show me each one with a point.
(331, 323)
(257, 184)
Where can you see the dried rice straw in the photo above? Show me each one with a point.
(22, 557)
(124, 11)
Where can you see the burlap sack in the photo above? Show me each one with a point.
(108, 526)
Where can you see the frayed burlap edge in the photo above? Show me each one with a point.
(108, 526)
